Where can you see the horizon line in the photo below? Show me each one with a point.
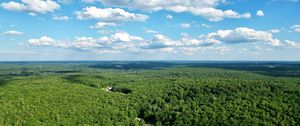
(1, 61)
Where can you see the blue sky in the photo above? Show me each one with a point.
(149, 30)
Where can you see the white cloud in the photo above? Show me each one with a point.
(105, 31)
(195, 50)
(238, 35)
(151, 31)
(109, 15)
(205, 8)
(274, 31)
(291, 44)
(184, 34)
(161, 41)
(60, 18)
(260, 13)
(85, 43)
(243, 35)
(13, 32)
(101, 25)
(124, 37)
(65, 1)
(119, 41)
(43, 41)
(213, 14)
(169, 17)
(295, 28)
(186, 41)
(205, 25)
(184, 25)
(264, 49)
(32, 6)
(32, 14)
(13, 6)
(88, 1)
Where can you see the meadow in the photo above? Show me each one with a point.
(149, 93)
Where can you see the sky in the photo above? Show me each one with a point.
(56, 30)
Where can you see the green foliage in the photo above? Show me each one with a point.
(121, 90)
(172, 93)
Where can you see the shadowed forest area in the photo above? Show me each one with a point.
(150, 92)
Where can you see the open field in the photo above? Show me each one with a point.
(157, 93)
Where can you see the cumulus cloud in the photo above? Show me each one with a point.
(88, 1)
(109, 14)
(13, 6)
(32, 14)
(43, 41)
(205, 25)
(234, 36)
(102, 25)
(194, 50)
(260, 13)
(60, 18)
(291, 44)
(149, 31)
(105, 31)
(274, 31)
(31, 6)
(12, 32)
(121, 41)
(184, 25)
(213, 14)
(116, 42)
(161, 41)
(65, 1)
(243, 35)
(205, 8)
(295, 28)
(122, 37)
(85, 43)
(169, 17)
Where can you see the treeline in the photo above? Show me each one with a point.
(226, 102)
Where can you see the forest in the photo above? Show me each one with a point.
(159, 93)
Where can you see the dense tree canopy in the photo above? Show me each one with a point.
(157, 93)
